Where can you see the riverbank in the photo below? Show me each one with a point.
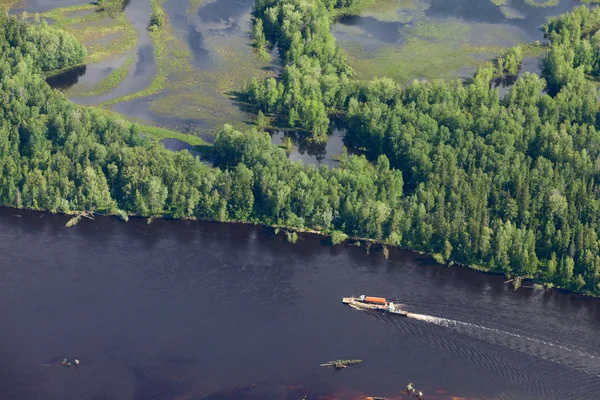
(334, 238)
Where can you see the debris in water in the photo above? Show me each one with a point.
(373, 398)
(338, 364)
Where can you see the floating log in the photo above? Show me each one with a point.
(340, 363)
(73, 221)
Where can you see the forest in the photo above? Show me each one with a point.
(450, 168)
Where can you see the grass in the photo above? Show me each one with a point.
(103, 36)
(63, 20)
(431, 50)
(159, 133)
(155, 132)
(163, 39)
(511, 13)
(428, 29)
(189, 93)
(114, 79)
(417, 58)
(6, 4)
(194, 6)
(549, 3)
(383, 10)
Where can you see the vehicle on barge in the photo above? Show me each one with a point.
(374, 303)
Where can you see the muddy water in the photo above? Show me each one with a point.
(192, 310)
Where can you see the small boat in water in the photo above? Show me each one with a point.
(374, 303)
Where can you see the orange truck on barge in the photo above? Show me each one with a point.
(374, 303)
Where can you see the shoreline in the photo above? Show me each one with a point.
(365, 243)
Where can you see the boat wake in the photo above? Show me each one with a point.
(555, 352)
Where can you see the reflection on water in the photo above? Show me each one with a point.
(179, 145)
(529, 64)
(387, 32)
(66, 79)
(467, 10)
(230, 11)
(312, 152)
(529, 18)
(439, 38)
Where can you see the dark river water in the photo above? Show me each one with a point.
(193, 310)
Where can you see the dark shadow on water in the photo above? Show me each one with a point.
(145, 58)
(309, 151)
(66, 79)
(202, 56)
(204, 152)
(487, 12)
(387, 32)
(529, 64)
(224, 10)
(469, 10)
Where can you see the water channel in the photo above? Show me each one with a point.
(196, 310)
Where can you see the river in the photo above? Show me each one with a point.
(195, 310)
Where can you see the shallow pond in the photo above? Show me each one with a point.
(312, 153)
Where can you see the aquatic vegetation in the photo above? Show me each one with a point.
(416, 58)
(119, 34)
(157, 20)
(338, 237)
(428, 29)
(62, 18)
(548, 3)
(6, 4)
(194, 6)
(163, 41)
(114, 79)
(431, 50)
(511, 13)
(111, 7)
(383, 10)
(206, 95)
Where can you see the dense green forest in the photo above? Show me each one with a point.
(509, 184)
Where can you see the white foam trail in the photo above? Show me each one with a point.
(573, 356)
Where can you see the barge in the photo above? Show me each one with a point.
(374, 303)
